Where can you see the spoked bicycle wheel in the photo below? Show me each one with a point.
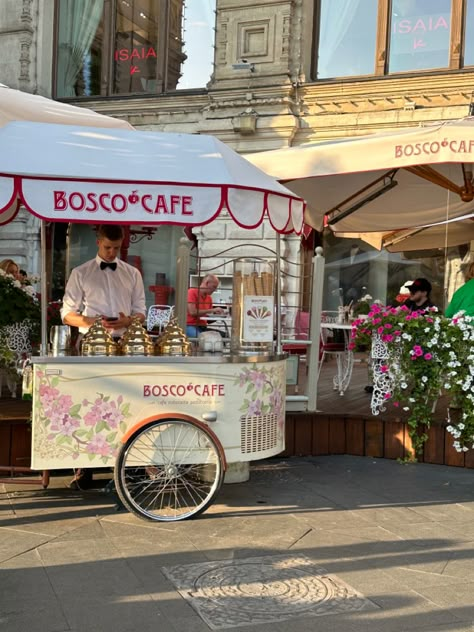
(169, 470)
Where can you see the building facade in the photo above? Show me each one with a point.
(259, 75)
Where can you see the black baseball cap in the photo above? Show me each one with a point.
(419, 284)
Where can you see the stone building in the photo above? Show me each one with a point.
(258, 74)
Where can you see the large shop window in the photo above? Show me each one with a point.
(114, 47)
(375, 37)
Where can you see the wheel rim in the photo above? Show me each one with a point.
(170, 470)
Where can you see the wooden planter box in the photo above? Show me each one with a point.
(315, 434)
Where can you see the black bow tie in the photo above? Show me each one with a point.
(105, 264)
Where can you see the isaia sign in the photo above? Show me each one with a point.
(134, 54)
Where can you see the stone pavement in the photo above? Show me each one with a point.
(330, 544)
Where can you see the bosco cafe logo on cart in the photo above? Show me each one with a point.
(93, 202)
(183, 390)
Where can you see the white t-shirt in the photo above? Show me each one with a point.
(91, 291)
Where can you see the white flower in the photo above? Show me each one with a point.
(424, 378)
(405, 408)
(403, 385)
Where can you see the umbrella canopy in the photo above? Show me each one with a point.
(443, 235)
(381, 182)
(22, 106)
(81, 174)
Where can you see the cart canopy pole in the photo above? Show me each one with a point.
(315, 328)
(44, 293)
(278, 294)
(182, 281)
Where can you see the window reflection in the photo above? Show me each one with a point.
(354, 269)
(347, 34)
(136, 64)
(469, 35)
(133, 46)
(199, 25)
(80, 47)
(419, 34)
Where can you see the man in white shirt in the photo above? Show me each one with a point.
(106, 287)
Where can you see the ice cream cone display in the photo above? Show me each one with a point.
(136, 341)
(173, 341)
(252, 306)
(98, 342)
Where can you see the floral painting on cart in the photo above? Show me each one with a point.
(81, 411)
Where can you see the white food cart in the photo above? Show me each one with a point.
(168, 425)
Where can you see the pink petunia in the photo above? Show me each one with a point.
(428, 356)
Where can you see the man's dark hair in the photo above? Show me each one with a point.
(113, 232)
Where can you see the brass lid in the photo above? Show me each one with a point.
(98, 342)
(173, 341)
(136, 341)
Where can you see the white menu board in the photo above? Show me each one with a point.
(258, 318)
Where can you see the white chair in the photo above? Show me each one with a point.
(158, 317)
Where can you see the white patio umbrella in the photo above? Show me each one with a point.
(22, 106)
(382, 182)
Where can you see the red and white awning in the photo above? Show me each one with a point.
(80, 174)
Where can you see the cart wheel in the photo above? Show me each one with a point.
(169, 470)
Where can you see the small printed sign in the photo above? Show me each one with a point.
(258, 318)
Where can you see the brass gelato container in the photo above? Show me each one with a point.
(136, 341)
(173, 341)
(98, 342)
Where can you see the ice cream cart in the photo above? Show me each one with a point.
(169, 425)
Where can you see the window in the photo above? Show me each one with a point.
(347, 38)
(419, 34)
(380, 37)
(114, 47)
(469, 35)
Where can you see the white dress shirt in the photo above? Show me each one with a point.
(91, 291)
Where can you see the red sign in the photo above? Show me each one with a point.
(127, 54)
(118, 203)
(180, 390)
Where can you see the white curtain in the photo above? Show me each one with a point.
(336, 19)
(78, 24)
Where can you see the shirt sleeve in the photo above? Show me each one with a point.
(454, 305)
(73, 296)
(138, 295)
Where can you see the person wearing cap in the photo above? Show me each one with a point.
(463, 298)
(420, 291)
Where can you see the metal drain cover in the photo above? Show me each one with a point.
(263, 590)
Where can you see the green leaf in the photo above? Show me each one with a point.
(91, 457)
(62, 439)
(55, 381)
(101, 425)
(74, 410)
(111, 437)
(123, 427)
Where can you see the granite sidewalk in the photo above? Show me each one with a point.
(330, 544)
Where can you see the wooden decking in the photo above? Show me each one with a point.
(345, 425)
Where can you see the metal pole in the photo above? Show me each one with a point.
(278, 296)
(182, 281)
(44, 293)
(315, 328)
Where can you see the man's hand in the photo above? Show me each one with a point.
(122, 322)
(218, 310)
